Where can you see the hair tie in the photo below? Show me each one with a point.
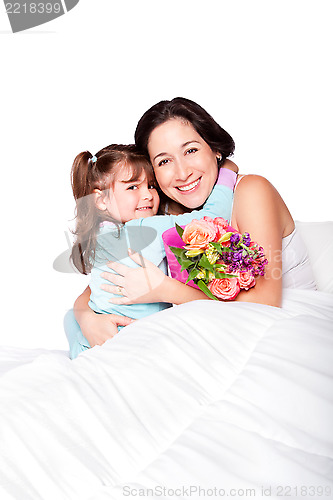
(93, 159)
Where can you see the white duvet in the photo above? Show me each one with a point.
(206, 399)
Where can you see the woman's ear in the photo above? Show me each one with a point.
(99, 198)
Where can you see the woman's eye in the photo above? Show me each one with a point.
(192, 150)
(152, 186)
(163, 162)
(132, 187)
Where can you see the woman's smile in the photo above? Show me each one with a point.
(189, 188)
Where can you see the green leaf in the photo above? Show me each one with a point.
(194, 272)
(180, 230)
(219, 267)
(179, 259)
(179, 252)
(204, 288)
(185, 263)
(221, 276)
(204, 262)
(217, 246)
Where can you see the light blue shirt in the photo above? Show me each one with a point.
(145, 236)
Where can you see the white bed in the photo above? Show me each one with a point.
(204, 399)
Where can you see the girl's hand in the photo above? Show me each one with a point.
(98, 328)
(141, 285)
(231, 165)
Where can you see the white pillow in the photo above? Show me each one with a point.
(318, 238)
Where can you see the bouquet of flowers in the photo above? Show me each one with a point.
(217, 258)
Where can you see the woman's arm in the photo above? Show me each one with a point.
(97, 328)
(147, 284)
(259, 210)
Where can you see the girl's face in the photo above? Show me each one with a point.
(131, 199)
(185, 166)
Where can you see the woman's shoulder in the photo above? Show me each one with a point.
(255, 197)
(252, 185)
(252, 180)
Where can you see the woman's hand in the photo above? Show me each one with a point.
(146, 284)
(140, 285)
(97, 328)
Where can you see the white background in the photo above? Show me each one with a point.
(261, 68)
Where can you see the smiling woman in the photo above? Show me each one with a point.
(187, 167)
(183, 141)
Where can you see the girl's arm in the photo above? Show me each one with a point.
(231, 165)
(97, 328)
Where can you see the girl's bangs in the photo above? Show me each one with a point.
(135, 167)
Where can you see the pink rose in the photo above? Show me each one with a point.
(220, 222)
(199, 233)
(221, 225)
(208, 219)
(246, 280)
(226, 288)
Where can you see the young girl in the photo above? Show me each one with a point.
(116, 208)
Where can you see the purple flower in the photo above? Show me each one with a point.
(234, 238)
(246, 239)
(237, 256)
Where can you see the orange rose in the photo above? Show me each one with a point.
(226, 288)
(199, 233)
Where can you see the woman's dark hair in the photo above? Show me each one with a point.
(216, 137)
(97, 172)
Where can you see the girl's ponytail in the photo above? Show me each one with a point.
(83, 180)
(80, 175)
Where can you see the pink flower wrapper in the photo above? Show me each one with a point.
(172, 238)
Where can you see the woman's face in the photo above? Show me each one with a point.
(185, 166)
